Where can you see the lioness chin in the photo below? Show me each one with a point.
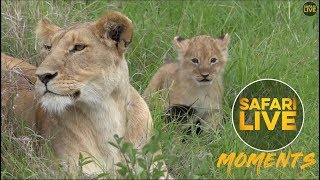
(192, 88)
(84, 95)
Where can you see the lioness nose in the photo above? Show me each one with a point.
(45, 78)
(204, 75)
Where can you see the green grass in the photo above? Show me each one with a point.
(269, 39)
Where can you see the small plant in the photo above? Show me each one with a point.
(83, 161)
(140, 164)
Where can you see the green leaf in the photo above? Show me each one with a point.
(158, 158)
(114, 145)
(121, 165)
(122, 172)
(157, 174)
(142, 163)
(104, 174)
(118, 139)
(86, 162)
(126, 147)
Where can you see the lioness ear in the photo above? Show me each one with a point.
(117, 27)
(224, 41)
(45, 29)
(181, 43)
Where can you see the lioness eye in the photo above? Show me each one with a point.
(195, 60)
(78, 47)
(213, 60)
(47, 47)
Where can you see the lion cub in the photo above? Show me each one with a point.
(193, 86)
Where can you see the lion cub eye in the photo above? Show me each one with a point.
(213, 60)
(47, 47)
(78, 47)
(195, 61)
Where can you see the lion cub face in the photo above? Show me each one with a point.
(202, 58)
(83, 63)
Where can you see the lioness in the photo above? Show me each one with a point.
(84, 93)
(194, 85)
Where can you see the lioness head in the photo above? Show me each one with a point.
(202, 57)
(83, 63)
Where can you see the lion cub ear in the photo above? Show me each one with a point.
(181, 43)
(224, 41)
(45, 29)
(117, 27)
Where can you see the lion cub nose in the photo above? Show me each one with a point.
(45, 78)
(204, 75)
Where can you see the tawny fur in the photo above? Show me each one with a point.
(17, 89)
(182, 83)
(90, 98)
(19, 66)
